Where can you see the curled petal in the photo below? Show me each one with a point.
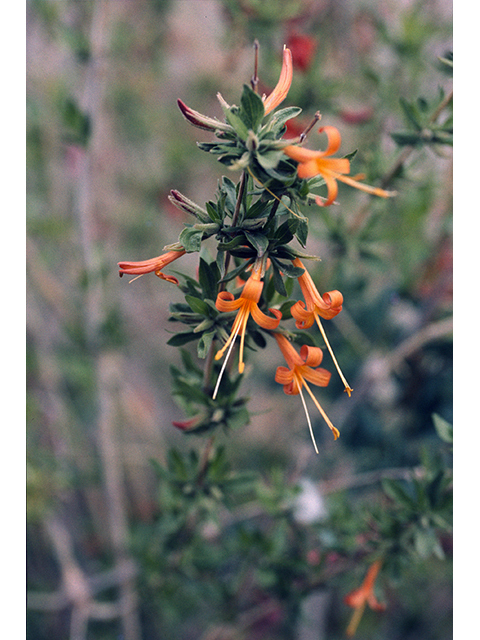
(291, 389)
(283, 375)
(304, 319)
(312, 356)
(265, 321)
(332, 187)
(333, 300)
(320, 377)
(226, 301)
(334, 139)
(374, 604)
(163, 276)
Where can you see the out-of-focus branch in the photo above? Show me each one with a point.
(87, 205)
(360, 218)
(77, 590)
(380, 366)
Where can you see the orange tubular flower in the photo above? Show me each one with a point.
(302, 367)
(154, 265)
(279, 94)
(314, 307)
(313, 163)
(246, 304)
(359, 598)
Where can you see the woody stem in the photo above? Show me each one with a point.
(236, 213)
(254, 80)
(306, 131)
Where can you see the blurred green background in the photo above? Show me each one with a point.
(105, 144)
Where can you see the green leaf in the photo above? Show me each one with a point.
(257, 210)
(252, 109)
(181, 338)
(269, 159)
(289, 270)
(284, 233)
(237, 241)
(233, 273)
(258, 241)
(281, 116)
(229, 190)
(191, 239)
(403, 139)
(208, 277)
(213, 214)
(302, 231)
(411, 114)
(197, 305)
(234, 119)
(278, 281)
(76, 122)
(427, 544)
(204, 344)
(395, 491)
(443, 428)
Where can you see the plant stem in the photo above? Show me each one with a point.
(236, 213)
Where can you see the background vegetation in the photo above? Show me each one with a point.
(122, 542)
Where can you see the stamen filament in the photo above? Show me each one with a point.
(272, 194)
(136, 278)
(348, 388)
(334, 430)
(243, 325)
(354, 622)
(299, 383)
(220, 375)
(376, 191)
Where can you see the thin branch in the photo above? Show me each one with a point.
(362, 215)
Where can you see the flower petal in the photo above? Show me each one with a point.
(300, 154)
(319, 377)
(334, 139)
(279, 94)
(335, 165)
(264, 321)
(312, 356)
(332, 187)
(226, 301)
(304, 319)
(283, 375)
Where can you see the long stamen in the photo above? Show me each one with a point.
(348, 388)
(220, 375)
(272, 194)
(299, 383)
(376, 191)
(136, 278)
(335, 431)
(354, 622)
(242, 327)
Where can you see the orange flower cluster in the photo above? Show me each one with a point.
(302, 368)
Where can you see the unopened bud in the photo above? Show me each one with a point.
(201, 121)
(185, 204)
